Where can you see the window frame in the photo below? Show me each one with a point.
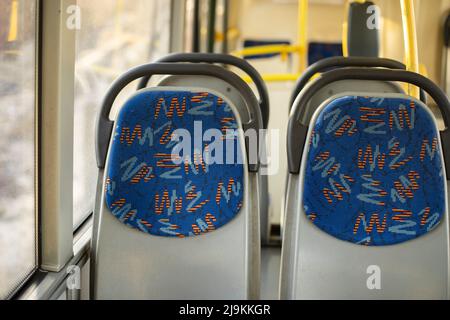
(56, 135)
(175, 43)
(58, 245)
(37, 95)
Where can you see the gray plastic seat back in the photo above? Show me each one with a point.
(316, 265)
(336, 88)
(222, 264)
(345, 86)
(234, 96)
(136, 257)
(324, 260)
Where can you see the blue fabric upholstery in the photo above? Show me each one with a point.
(374, 174)
(149, 189)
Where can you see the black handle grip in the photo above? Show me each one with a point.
(447, 31)
(363, 41)
(105, 125)
(341, 62)
(223, 59)
(297, 132)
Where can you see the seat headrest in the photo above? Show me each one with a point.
(151, 187)
(374, 173)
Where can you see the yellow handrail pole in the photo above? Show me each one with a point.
(300, 49)
(411, 47)
(345, 38)
(13, 23)
(275, 77)
(345, 29)
(267, 49)
(283, 50)
(302, 33)
(117, 22)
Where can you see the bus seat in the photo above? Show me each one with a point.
(232, 93)
(176, 230)
(339, 87)
(366, 213)
(227, 90)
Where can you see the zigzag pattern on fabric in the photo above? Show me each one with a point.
(147, 190)
(374, 173)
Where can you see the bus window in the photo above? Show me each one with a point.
(115, 35)
(17, 143)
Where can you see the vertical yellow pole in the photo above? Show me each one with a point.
(118, 12)
(411, 48)
(13, 23)
(302, 33)
(345, 30)
(345, 39)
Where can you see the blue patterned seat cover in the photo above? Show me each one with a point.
(149, 191)
(374, 174)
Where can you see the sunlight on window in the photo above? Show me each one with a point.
(115, 35)
(17, 143)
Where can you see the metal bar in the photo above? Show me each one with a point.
(211, 25)
(269, 49)
(177, 20)
(302, 34)
(226, 60)
(410, 38)
(297, 131)
(196, 27)
(43, 285)
(56, 167)
(105, 125)
(225, 25)
(275, 77)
